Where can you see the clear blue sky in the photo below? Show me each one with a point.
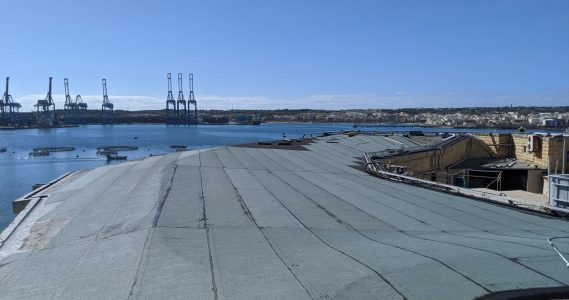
(293, 54)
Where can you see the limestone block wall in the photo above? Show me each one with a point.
(550, 149)
(500, 144)
(555, 154)
(425, 163)
(522, 152)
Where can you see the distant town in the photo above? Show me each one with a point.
(553, 117)
(469, 117)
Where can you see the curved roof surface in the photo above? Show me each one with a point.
(238, 222)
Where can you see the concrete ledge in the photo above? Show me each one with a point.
(7, 232)
(23, 205)
(19, 204)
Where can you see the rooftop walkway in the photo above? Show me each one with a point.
(238, 222)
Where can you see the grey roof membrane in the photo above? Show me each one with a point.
(234, 222)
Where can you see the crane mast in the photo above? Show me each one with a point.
(192, 100)
(170, 112)
(105, 95)
(5, 100)
(46, 109)
(81, 109)
(9, 110)
(67, 97)
(70, 107)
(181, 115)
(107, 108)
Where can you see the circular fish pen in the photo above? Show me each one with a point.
(45, 151)
(53, 149)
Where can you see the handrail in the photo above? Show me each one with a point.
(439, 146)
(371, 167)
(550, 241)
(498, 181)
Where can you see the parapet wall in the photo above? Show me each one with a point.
(555, 153)
(546, 148)
(434, 162)
(536, 156)
(500, 144)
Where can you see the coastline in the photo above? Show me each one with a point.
(354, 125)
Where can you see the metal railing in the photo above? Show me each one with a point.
(550, 241)
(374, 168)
(408, 150)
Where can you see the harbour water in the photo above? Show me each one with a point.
(19, 171)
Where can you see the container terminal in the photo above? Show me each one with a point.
(330, 216)
(183, 110)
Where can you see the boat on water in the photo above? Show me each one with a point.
(116, 157)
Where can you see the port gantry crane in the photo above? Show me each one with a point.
(183, 117)
(70, 107)
(81, 109)
(107, 107)
(46, 109)
(170, 113)
(9, 110)
(192, 101)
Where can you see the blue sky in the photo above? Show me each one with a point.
(291, 54)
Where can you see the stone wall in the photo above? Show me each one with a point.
(521, 151)
(546, 148)
(500, 144)
(555, 153)
(436, 161)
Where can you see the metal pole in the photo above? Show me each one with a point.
(49, 99)
(104, 90)
(564, 154)
(548, 167)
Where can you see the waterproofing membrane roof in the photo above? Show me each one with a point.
(242, 223)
